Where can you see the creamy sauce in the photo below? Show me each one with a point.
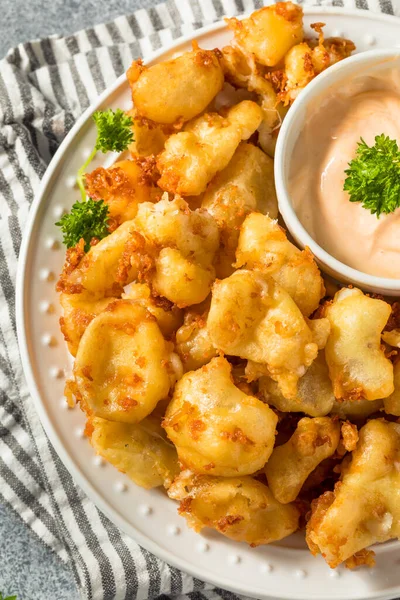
(363, 108)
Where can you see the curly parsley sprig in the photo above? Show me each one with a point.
(114, 134)
(89, 218)
(373, 176)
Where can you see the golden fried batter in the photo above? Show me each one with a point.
(357, 364)
(269, 32)
(218, 429)
(240, 508)
(364, 508)
(177, 89)
(263, 245)
(142, 451)
(252, 317)
(290, 464)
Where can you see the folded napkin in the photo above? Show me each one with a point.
(44, 86)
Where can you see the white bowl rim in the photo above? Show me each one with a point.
(321, 83)
(25, 346)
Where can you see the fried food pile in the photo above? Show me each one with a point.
(209, 358)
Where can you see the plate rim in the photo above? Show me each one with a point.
(20, 304)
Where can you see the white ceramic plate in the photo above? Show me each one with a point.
(283, 570)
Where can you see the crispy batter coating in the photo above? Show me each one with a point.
(122, 187)
(218, 429)
(148, 137)
(142, 451)
(78, 311)
(184, 244)
(177, 89)
(357, 364)
(392, 337)
(251, 316)
(305, 61)
(391, 404)
(337, 48)
(123, 367)
(241, 508)
(193, 156)
(314, 391)
(97, 271)
(242, 71)
(290, 464)
(263, 245)
(364, 507)
(361, 558)
(269, 32)
(349, 436)
(169, 317)
(193, 343)
(245, 185)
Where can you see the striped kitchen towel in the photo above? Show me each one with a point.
(44, 86)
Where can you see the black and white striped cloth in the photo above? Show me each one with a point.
(44, 86)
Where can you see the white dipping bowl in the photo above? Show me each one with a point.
(366, 63)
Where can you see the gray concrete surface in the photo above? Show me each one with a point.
(23, 20)
(27, 567)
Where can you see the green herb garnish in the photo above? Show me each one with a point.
(373, 177)
(87, 220)
(114, 134)
(8, 597)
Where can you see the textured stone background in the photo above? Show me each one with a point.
(27, 567)
(23, 20)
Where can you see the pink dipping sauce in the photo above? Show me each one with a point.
(365, 107)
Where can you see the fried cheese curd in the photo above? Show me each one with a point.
(314, 391)
(78, 311)
(242, 71)
(241, 508)
(306, 60)
(254, 318)
(392, 338)
(192, 157)
(356, 360)
(141, 451)
(269, 32)
(177, 89)
(245, 185)
(290, 464)
(364, 507)
(193, 343)
(182, 245)
(218, 429)
(123, 366)
(122, 187)
(392, 403)
(263, 245)
(97, 273)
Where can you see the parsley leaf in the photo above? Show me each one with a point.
(8, 597)
(87, 220)
(373, 176)
(114, 131)
(114, 134)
